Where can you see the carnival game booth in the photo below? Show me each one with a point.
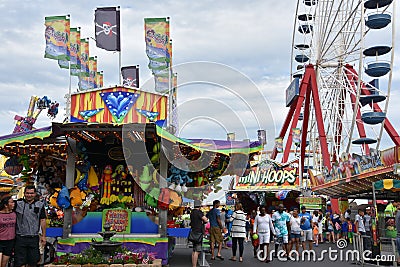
(268, 183)
(82, 171)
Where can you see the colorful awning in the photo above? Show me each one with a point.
(23, 136)
(218, 146)
(387, 184)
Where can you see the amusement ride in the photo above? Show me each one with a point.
(341, 78)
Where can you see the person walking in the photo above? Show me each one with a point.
(305, 225)
(254, 241)
(7, 228)
(263, 226)
(197, 221)
(215, 230)
(225, 230)
(281, 219)
(295, 230)
(368, 226)
(238, 231)
(31, 220)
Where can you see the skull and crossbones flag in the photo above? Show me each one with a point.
(107, 21)
(130, 76)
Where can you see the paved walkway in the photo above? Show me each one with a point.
(182, 257)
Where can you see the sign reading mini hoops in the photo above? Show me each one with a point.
(269, 179)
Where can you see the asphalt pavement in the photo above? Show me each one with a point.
(327, 254)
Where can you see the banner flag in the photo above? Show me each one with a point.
(84, 83)
(84, 57)
(157, 39)
(107, 28)
(296, 135)
(130, 76)
(92, 72)
(57, 37)
(279, 144)
(99, 79)
(161, 84)
(64, 64)
(75, 44)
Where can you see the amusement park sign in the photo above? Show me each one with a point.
(269, 177)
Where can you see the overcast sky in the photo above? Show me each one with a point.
(232, 58)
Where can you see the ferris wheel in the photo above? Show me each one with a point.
(341, 74)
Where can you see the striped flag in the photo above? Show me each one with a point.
(57, 37)
(107, 28)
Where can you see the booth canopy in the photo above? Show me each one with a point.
(388, 184)
(218, 146)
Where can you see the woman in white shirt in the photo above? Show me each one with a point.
(295, 230)
(238, 231)
(263, 226)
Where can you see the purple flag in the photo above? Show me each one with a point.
(107, 29)
(130, 76)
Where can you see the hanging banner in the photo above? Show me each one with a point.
(296, 135)
(268, 175)
(279, 144)
(75, 44)
(99, 79)
(84, 57)
(130, 76)
(93, 72)
(107, 28)
(157, 39)
(57, 37)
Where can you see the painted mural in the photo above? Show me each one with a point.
(118, 105)
(349, 165)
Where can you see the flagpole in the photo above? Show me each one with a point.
(119, 40)
(119, 68)
(68, 107)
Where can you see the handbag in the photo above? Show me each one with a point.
(195, 237)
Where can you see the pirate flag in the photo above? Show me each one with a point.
(130, 76)
(107, 28)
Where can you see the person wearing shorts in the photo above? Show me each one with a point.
(197, 221)
(7, 228)
(214, 217)
(281, 220)
(295, 230)
(263, 226)
(305, 225)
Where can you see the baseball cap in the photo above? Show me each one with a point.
(303, 207)
(197, 203)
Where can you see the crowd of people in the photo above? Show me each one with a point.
(295, 229)
(22, 228)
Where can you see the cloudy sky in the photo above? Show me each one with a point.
(232, 58)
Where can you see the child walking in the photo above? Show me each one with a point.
(315, 233)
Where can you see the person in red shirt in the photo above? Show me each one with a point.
(7, 228)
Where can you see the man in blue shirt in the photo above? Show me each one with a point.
(305, 225)
(214, 216)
